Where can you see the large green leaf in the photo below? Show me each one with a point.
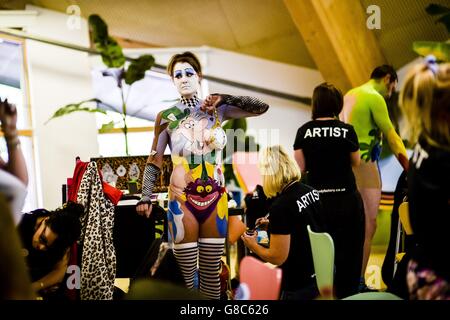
(106, 127)
(108, 47)
(111, 52)
(75, 107)
(99, 29)
(441, 50)
(136, 69)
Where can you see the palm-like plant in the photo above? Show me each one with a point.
(113, 57)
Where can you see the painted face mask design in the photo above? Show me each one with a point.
(185, 79)
(202, 197)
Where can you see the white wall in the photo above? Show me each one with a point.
(57, 77)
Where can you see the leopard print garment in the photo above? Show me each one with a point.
(98, 262)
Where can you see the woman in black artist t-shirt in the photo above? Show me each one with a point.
(295, 205)
(326, 148)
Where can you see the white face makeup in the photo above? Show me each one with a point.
(185, 79)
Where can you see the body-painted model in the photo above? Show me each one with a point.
(198, 205)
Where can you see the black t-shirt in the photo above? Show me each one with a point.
(429, 205)
(326, 145)
(290, 213)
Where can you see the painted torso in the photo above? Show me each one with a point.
(197, 181)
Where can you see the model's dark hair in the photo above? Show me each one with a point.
(381, 71)
(327, 101)
(188, 57)
(65, 222)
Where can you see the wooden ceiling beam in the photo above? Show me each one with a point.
(335, 32)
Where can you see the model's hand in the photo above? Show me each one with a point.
(144, 209)
(8, 118)
(210, 103)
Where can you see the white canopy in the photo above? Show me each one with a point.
(144, 99)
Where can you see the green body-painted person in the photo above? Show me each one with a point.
(366, 109)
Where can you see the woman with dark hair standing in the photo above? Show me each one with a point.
(326, 149)
(198, 205)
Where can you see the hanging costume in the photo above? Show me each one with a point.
(197, 184)
(98, 261)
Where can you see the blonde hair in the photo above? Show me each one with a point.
(425, 100)
(278, 170)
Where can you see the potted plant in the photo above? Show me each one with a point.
(123, 73)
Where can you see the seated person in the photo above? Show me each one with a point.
(294, 206)
(46, 239)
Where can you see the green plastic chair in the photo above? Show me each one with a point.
(322, 247)
(373, 296)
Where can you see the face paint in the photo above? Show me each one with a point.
(188, 72)
(185, 79)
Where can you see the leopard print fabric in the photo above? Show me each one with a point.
(98, 261)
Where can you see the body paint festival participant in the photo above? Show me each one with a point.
(198, 205)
